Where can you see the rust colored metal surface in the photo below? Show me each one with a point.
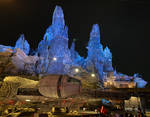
(70, 87)
(59, 86)
(48, 86)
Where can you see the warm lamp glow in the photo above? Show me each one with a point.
(55, 59)
(76, 70)
(92, 75)
(27, 100)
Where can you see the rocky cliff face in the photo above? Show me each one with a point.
(16, 63)
(53, 55)
(24, 62)
(6, 65)
(95, 59)
(53, 49)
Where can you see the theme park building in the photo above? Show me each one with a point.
(52, 73)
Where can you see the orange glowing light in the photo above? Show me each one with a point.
(102, 107)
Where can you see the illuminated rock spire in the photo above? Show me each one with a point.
(95, 58)
(107, 54)
(58, 28)
(94, 46)
(58, 17)
(56, 35)
(108, 60)
(23, 44)
(55, 45)
(95, 32)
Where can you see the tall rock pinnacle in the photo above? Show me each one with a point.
(58, 28)
(94, 41)
(107, 54)
(108, 60)
(95, 31)
(58, 17)
(95, 52)
(55, 45)
(23, 44)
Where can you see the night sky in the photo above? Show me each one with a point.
(125, 27)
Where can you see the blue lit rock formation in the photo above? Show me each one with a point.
(54, 57)
(5, 48)
(108, 60)
(58, 28)
(23, 44)
(23, 62)
(53, 49)
(77, 60)
(95, 59)
(139, 81)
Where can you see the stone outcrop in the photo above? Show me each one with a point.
(24, 62)
(23, 44)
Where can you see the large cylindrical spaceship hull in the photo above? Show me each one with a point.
(59, 86)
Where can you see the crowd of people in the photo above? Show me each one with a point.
(103, 112)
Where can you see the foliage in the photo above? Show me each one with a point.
(8, 89)
(24, 82)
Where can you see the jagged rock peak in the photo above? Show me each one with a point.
(95, 31)
(22, 37)
(23, 44)
(107, 53)
(58, 16)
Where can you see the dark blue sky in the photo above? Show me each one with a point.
(125, 27)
